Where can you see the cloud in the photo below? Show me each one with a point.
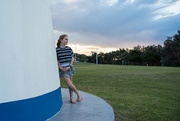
(163, 8)
(167, 11)
(155, 4)
(115, 23)
(109, 2)
(95, 19)
(129, 1)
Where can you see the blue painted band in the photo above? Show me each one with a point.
(33, 109)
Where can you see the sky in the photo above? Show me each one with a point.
(112, 24)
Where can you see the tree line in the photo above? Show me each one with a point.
(152, 55)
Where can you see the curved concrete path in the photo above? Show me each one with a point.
(91, 108)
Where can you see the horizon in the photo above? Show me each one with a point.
(90, 49)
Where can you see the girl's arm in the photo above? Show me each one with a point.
(72, 61)
(70, 64)
(60, 66)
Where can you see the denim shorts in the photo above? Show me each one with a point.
(67, 73)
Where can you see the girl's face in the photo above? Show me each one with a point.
(64, 41)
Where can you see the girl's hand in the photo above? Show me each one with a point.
(63, 69)
(68, 68)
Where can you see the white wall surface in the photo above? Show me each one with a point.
(28, 66)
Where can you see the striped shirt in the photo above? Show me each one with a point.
(64, 56)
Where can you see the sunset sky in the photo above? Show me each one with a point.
(112, 24)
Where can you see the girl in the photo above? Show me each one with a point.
(65, 63)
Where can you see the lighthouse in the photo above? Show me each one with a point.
(29, 83)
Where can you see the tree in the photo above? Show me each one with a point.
(152, 55)
(135, 55)
(124, 57)
(168, 55)
(81, 57)
(92, 58)
(101, 58)
(171, 51)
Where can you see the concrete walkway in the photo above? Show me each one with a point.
(91, 108)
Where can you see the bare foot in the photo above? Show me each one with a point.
(79, 99)
(72, 101)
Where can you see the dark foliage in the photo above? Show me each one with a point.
(168, 55)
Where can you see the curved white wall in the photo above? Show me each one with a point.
(28, 66)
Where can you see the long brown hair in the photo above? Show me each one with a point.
(60, 38)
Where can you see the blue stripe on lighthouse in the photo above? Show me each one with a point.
(33, 109)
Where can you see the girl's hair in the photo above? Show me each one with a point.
(60, 38)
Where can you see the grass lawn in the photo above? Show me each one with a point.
(135, 92)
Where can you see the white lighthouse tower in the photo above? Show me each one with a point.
(29, 82)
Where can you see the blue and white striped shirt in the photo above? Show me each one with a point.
(64, 56)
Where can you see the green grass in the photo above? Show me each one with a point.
(135, 92)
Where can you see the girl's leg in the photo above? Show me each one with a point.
(72, 87)
(71, 91)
